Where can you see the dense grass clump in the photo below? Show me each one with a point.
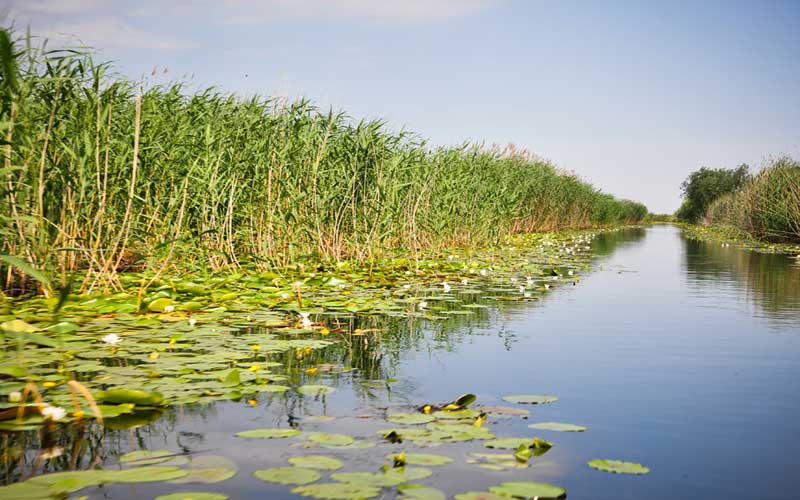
(100, 174)
(767, 207)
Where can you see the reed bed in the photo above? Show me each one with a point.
(101, 174)
(767, 207)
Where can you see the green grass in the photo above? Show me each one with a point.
(100, 175)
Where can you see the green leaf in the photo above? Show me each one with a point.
(316, 462)
(146, 457)
(410, 418)
(193, 495)
(18, 326)
(315, 390)
(146, 474)
(618, 466)
(134, 396)
(557, 426)
(423, 459)
(528, 489)
(329, 439)
(268, 433)
(25, 267)
(391, 477)
(287, 475)
(420, 492)
(337, 491)
(530, 399)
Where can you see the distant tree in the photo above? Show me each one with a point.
(704, 186)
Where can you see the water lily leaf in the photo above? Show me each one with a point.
(287, 475)
(391, 477)
(455, 414)
(146, 457)
(193, 495)
(268, 433)
(329, 439)
(316, 462)
(528, 489)
(618, 466)
(315, 390)
(69, 481)
(206, 475)
(478, 495)
(460, 402)
(410, 418)
(133, 396)
(557, 426)
(530, 399)
(17, 326)
(28, 490)
(146, 474)
(337, 491)
(509, 443)
(505, 410)
(420, 492)
(422, 459)
(160, 304)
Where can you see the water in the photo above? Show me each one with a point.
(682, 355)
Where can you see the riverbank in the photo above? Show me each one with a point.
(730, 235)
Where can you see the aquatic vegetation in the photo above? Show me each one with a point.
(528, 489)
(316, 462)
(557, 426)
(530, 399)
(287, 475)
(618, 466)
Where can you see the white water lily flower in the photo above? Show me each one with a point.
(483, 272)
(304, 319)
(53, 413)
(422, 305)
(406, 286)
(464, 281)
(169, 309)
(446, 287)
(546, 286)
(527, 295)
(112, 339)
(570, 272)
(192, 321)
(521, 289)
(14, 397)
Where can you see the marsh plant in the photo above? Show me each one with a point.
(101, 174)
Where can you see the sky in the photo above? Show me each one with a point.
(630, 95)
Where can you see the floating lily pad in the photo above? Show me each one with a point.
(193, 495)
(420, 492)
(391, 477)
(618, 466)
(410, 418)
(316, 462)
(133, 396)
(206, 475)
(315, 390)
(509, 443)
(478, 495)
(528, 489)
(268, 433)
(146, 457)
(505, 410)
(337, 491)
(27, 491)
(423, 459)
(68, 481)
(329, 439)
(287, 475)
(530, 399)
(455, 414)
(557, 426)
(146, 474)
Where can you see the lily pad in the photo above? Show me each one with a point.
(505, 410)
(423, 459)
(391, 477)
(478, 495)
(337, 491)
(530, 399)
(268, 433)
(193, 495)
(316, 462)
(206, 475)
(133, 396)
(146, 474)
(146, 457)
(509, 443)
(557, 426)
(410, 418)
(528, 489)
(420, 492)
(329, 439)
(287, 475)
(26, 491)
(618, 466)
(315, 390)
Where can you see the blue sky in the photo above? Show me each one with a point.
(631, 95)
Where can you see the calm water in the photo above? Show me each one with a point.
(681, 355)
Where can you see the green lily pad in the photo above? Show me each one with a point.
(423, 459)
(27, 491)
(410, 418)
(557, 426)
(206, 475)
(420, 492)
(287, 475)
(132, 396)
(509, 443)
(160, 304)
(391, 477)
(455, 414)
(146, 457)
(505, 410)
(337, 491)
(528, 489)
(329, 439)
(268, 433)
(315, 390)
(18, 326)
(316, 462)
(530, 399)
(146, 474)
(193, 495)
(618, 466)
(70, 481)
(478, 495)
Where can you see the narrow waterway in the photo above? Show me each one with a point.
(681, 355)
